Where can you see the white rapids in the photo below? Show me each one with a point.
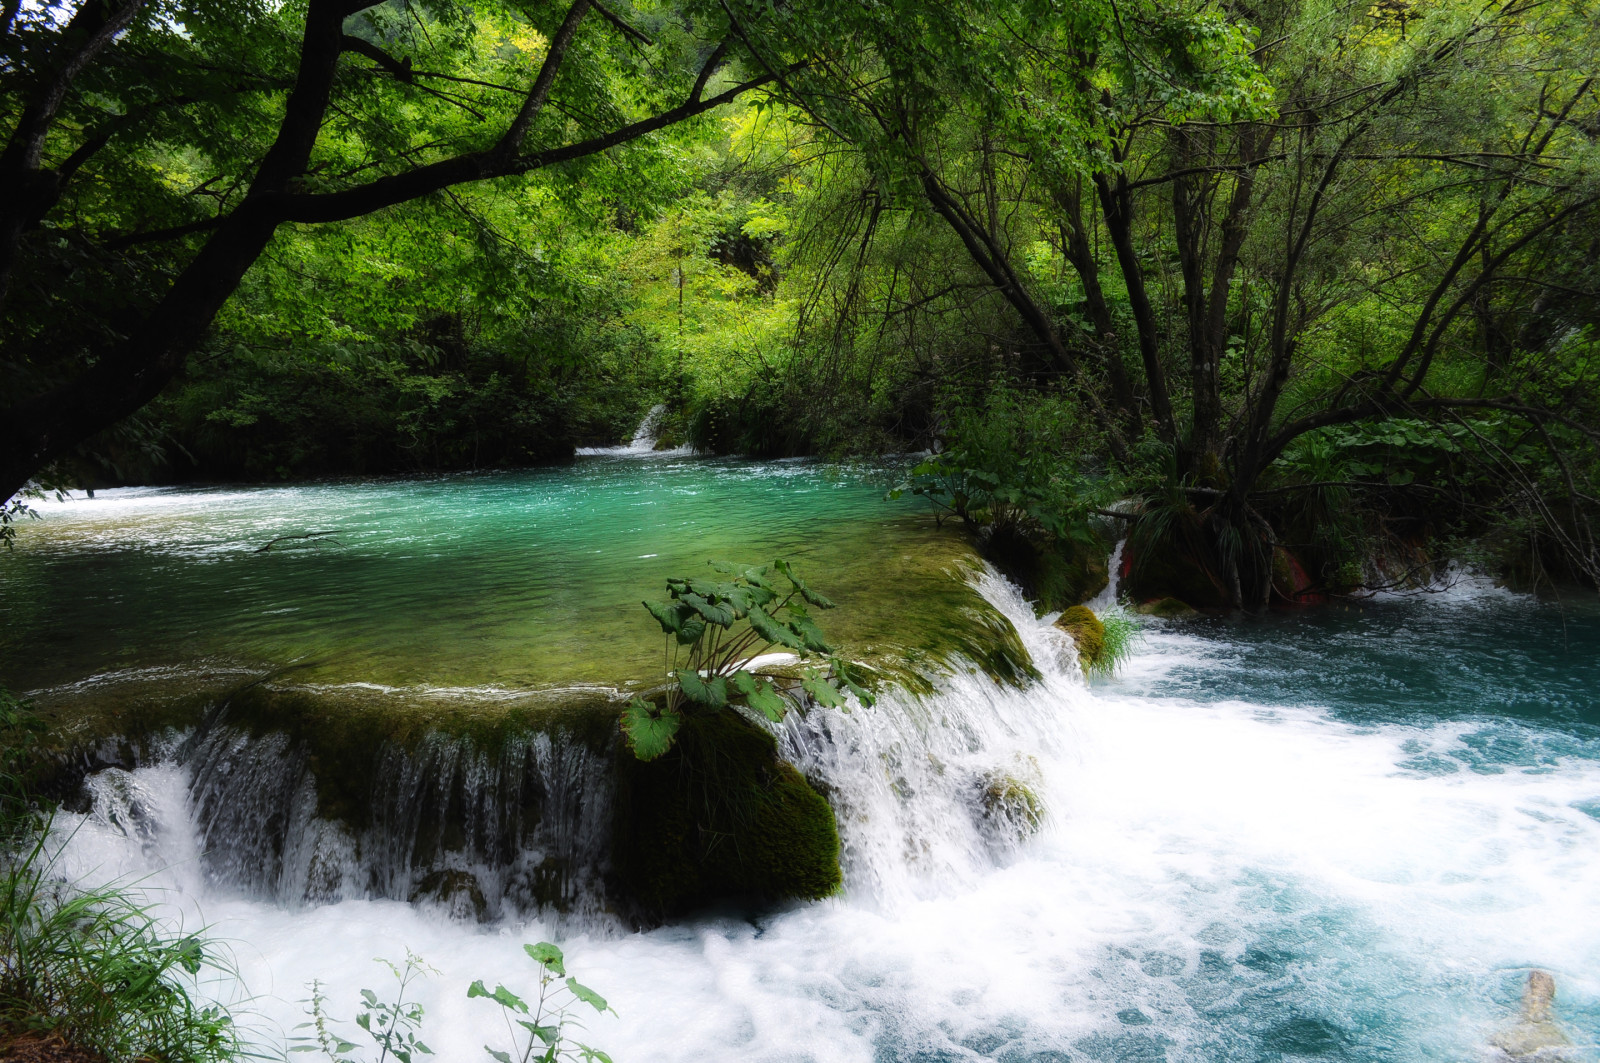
(1210, 882)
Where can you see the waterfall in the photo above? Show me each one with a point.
(1107, 598)
(929, 790)
(644, 439)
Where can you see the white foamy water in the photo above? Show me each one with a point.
(1212, 881)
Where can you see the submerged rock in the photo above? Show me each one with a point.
(1087, 632)
(1536, 1035)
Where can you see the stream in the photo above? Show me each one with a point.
(1342, 833)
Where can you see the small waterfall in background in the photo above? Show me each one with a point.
(1107, 598)
(644, 440)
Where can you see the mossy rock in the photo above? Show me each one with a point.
(1087, 632)
(718, 817)
(456, 891)
(1011, 804)
(1171, 608)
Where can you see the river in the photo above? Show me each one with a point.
(1343, 833)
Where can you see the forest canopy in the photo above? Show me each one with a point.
(1300, 274)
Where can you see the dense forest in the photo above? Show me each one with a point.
(1307, 290)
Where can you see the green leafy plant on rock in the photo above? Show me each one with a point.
(716, 629)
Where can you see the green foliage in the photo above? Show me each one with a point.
(542, 1034)
(536, 1031)
(716, 629)
(97, 967)
(391, 1025)
(1013, 463)
(1120, 638)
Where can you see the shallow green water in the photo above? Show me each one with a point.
(508, 581)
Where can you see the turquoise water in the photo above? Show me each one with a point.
(508, 580)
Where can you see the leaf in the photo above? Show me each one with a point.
(587, 995)
(712, 691)
(842, 669)
(692, 629)
(503, 1057)
(547, 956)
(802, 624)
(593, 1055)
(823, 691)
(670, 615)
(547, 1034)
(719, 614)
(760, 696)
(501, 995)
(805, 592)
(649, 730)
(774, 632)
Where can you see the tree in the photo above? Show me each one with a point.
(1228, 186)
(303, 114)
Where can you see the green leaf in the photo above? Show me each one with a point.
(842, 671)
(670, 615)
(774, 632)
(547, 956)
(502, 1057)
(501, 995)
(802, 624)
(649, 730)
(587, 995)
(547, 1034)
(692, 629)
(721, 615)
(593, 1055)
(805, 592)
(760, 696)
(711, 691)
(823, 691)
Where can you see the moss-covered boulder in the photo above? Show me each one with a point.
(720, 816)
(1171, 608)
(1011, 805)
(1087, 632)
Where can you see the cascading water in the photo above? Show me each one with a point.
(643, 441)
(1221, 872)
(1107, 598)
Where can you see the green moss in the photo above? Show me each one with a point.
(720, 816)
(1012, 804)
(1087, 632)
(1168, 607)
